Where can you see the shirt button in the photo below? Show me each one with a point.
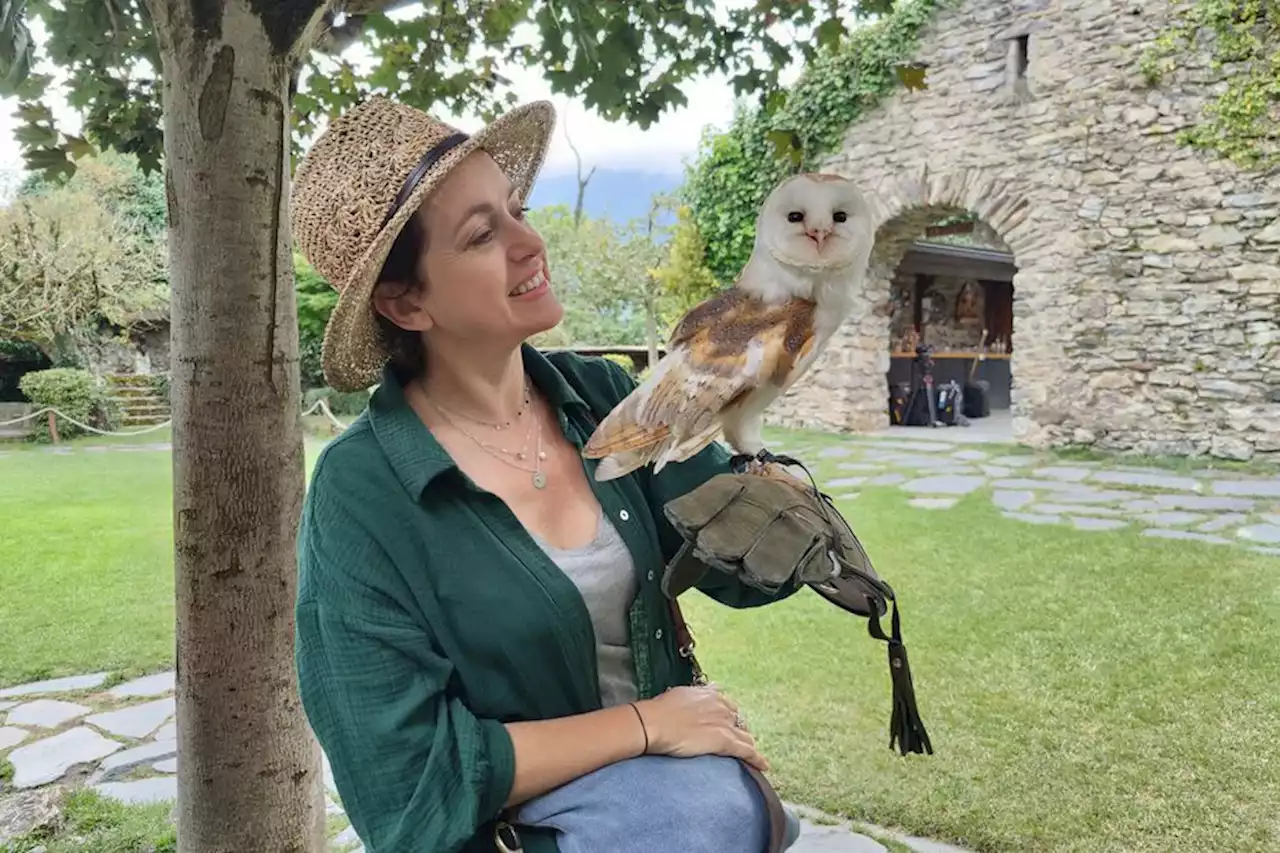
(624, 515)
(650, 575)
(657, 635)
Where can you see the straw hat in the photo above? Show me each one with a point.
(359, 184)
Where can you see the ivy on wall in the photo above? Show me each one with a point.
(734, 170)
(1242, 40)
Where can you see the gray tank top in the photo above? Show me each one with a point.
(605, 575)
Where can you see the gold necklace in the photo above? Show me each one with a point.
(524, 405)
(540, 455)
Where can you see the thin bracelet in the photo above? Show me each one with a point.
(643, 727)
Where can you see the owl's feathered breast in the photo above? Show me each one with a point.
(722, 332)
(724, 350)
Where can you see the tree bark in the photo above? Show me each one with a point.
(651, 322)
(249, 773)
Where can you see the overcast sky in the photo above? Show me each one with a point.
(661, 148)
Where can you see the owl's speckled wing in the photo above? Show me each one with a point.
(721, 352)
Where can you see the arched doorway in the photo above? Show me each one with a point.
(848, 389)
(951, 308)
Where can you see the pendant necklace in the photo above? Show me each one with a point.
(539, 477)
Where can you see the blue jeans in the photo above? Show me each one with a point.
(658, 804)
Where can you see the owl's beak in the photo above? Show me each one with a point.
(818, 236)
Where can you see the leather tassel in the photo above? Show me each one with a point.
(905, 726)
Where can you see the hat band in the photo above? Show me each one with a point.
(428, 160)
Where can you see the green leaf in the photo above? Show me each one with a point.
(51, 163)
(79, 147)
(786, 145)
(830, 33)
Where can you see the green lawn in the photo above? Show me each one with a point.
(1084, 691)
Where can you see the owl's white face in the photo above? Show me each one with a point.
(816, 221)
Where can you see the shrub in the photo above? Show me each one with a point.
(73, 392)
(622, 361)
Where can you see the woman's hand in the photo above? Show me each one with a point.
(688, 721)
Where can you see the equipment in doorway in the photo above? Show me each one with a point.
(977, 392)
(924, 403)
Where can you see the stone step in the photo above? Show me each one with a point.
(143, 420)
(132, 393)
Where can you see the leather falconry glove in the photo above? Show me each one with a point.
(771, 529)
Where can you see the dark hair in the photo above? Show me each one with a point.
(404, 346)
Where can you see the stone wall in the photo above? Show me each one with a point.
(1148, 288)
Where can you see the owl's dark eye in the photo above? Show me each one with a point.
(795, 216)
(840, 216)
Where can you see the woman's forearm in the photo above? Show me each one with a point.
(550, 753)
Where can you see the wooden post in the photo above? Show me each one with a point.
(53, 426)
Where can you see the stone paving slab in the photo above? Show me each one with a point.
(1157, 481)
(1012, 500)
(1205, 502)
(946, 484)
(1222, 506)
(1084, 522)
(158, 789)
(11, 736)
(1028, 483)
(56, 685)
(1061, 472)
(842, 482)
(1033, 517)
(1173, 518)
(121, 763)
(1185, 534)
(933, 503)
(47, 759)
(1222, 522)
(1077, 509)
(136, 721)
(46, 713)
(1091, 495)
(1268, 533)
(149, 685)
(1248, 488)
(815, 838)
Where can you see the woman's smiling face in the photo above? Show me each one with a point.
(483, 267)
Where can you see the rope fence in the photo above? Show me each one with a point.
(52, 414)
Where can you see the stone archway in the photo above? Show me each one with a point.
(847, 390)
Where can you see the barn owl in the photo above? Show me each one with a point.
(732, 355)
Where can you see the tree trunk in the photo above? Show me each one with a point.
(249, 773)
(651, 324)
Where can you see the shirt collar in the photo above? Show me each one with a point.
(415, 454)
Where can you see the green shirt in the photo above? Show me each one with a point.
(427, 617)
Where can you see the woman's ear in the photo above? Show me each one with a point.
(403, 305)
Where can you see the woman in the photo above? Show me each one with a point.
(478, 621)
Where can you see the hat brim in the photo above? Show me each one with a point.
(352, 354)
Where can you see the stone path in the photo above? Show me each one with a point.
(941, 466)
(121, 741)
(1214, 506)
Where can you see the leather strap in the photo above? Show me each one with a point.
(777, 815)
